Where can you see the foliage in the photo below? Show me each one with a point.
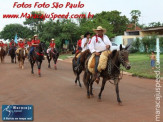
(10, 30)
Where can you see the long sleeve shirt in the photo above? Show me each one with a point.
(98, 44)
(85, 41)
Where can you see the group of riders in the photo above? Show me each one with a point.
(28, 46)
(96, 45)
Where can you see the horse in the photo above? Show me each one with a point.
(112, 72)
(53, 54)
(2, 54)
(12, 54)
(77, 72)
(37, 56)
(21, 57)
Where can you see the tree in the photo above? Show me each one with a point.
(10, 30)
(34, 22)
(155, 24)
(135, 14)
(115, 19)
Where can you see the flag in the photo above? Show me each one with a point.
(16, 40)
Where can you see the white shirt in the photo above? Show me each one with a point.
(100, 45)
(83, 43)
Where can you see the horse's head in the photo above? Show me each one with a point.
(42, 47)
(123, 57)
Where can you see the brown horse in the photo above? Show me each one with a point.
(21, 57)
(53, 54)
(77, 71)
(2, 54)
(112, 72)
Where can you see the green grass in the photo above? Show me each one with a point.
(140, 65)
(64, 56)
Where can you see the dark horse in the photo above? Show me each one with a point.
(2, 54)
(53, 54)
(21, 57)
(12, 54)
(77, 71)
(112, 72)
(37, 56)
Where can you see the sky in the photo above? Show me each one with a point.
(151, 10)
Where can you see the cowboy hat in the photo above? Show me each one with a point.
(99, 28)
(20, 39)
(35, 35)
(87, 33)
(53, 39)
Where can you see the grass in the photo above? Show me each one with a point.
(64, 56)
(140, 65)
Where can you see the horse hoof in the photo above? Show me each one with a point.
(92, 96)
(80, 85)
(120, 104)
(99, 100)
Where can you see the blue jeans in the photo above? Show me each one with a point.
(78, 60)
(96, 63)
(31, 50)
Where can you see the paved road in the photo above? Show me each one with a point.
(56, 98)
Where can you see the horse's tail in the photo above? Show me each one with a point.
(74, 65)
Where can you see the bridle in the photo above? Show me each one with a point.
(121, 60)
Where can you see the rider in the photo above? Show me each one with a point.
(12, 44)
(79, 49)
(84, 44)
(21, 45)
(34, 43)
(51, 46)
(98, 44)
(2, 44)
(29, 42)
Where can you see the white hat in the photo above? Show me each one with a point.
(35, 35)
(20, 39)
(53, 39)
(99, 28)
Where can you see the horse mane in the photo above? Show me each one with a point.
(113, 53)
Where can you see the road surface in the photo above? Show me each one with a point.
(56, 98)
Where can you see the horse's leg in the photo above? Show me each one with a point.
(22, 63)
(15, 59)
(78, 77)
(102, 88)
(55, 66)
(39, 68)
(91, 84)
(32, 63)
(86, 83)
(117, 92)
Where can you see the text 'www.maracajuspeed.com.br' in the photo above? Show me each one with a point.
(46, 16)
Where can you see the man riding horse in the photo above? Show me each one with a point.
(34, 43)
(84, 46)
(12, 49)
(21, 45)
(99, 43)
(51, 46)
(2, 51)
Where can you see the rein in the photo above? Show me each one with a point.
(120, 69)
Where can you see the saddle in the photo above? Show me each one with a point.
(102, 62)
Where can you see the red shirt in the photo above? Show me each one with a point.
(2, 45)
(35, 42)
(21, 44)
(79, 43)
(12, 44)
(52, 45)
(29, 43)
